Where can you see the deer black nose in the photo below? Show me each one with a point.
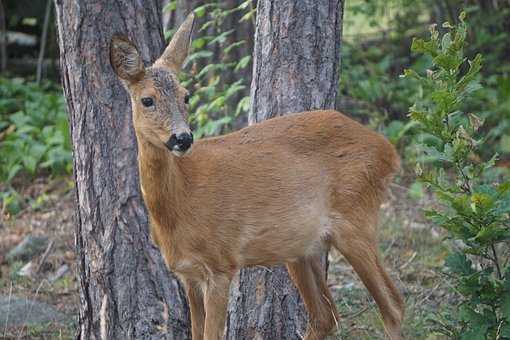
(180, 142)
(184, 141)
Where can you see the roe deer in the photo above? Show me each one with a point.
(281, 191)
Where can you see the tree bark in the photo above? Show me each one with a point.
(126, 292)
(296, 68)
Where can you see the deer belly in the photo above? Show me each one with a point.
(300, 235)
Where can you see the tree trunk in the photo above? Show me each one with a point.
(126, 292)
(296, 68)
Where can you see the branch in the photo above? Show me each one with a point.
(496, 261)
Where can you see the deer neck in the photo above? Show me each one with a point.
(162, 183)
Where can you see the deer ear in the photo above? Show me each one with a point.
(178, 48)
(125, 59)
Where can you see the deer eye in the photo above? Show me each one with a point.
(186, 99)
(147, 101)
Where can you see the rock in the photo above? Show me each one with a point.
(27, 270)
(16, 312)
(418, 226)
(28, 248)
(59, 273)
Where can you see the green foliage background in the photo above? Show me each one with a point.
(35, 136)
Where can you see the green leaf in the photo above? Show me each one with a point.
(416, 191)
(474, 69)
(436, 154)
(489, 235)
(30, 163)
(248, 15)
(446, 41)
(245, 4)
(505, 306)
(459, 263)
(422, 46)
(233, 46)
(197, 56)
(20, 119)
(216, 104)
(170, 6)
(243, 63)
(220, 39)
(200, 11)
(210, 68)
(478, 333)
(409, 73)
(198, 43)
(233, 89)
(243, 105)
(13, 171)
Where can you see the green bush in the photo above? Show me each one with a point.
(213, 79)
(371, 61)
(34, 134)
(475, 203)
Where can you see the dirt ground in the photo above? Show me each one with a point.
(411, 248)
(51, 216)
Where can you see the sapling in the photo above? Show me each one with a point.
(474, 205)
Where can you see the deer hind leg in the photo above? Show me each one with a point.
(359, 247)
(309, 278)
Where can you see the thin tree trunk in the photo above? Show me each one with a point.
(296, 68)
(3, 38)
(126, 292)
(44, 38)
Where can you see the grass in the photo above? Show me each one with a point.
(42, 331)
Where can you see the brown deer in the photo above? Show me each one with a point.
(282, 191)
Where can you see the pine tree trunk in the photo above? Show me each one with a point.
(296, 68)
(126, 292)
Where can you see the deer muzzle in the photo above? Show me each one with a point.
(180, 143)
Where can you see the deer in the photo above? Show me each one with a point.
(282, 191)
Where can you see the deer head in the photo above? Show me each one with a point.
(159, 102)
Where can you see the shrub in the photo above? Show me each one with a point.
(33, 134)
(475, 203)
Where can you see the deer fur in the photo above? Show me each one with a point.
(279, 192)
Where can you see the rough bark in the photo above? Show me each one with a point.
(126, 292)
(296, 68)
(296, 57)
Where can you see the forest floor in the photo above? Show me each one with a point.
(50, 217)
(412, 251)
